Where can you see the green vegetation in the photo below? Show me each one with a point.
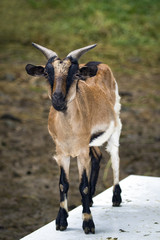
(127, 32)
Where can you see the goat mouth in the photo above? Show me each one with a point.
(60, 108)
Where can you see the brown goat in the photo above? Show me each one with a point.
(84, 115)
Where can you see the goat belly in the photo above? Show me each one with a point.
(72, 146)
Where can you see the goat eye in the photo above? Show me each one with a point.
(45, 73)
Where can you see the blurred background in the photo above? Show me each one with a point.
(128, 38)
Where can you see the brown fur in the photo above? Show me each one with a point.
(61, 71)
(93, 104)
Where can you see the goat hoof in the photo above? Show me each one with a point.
(62, 228)
(88, 226)
(61, 220)
(93, 230)
(57, 227)
(86, 230)
(116, 199)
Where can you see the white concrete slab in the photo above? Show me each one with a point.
(137, 218)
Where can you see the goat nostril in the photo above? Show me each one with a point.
(58, 96)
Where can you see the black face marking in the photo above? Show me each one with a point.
(52, 59)
(71, 73)
(50, 72)
(95, 135)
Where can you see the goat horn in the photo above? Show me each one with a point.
(47, 52)
(79, 52)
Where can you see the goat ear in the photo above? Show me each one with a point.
(34, 70)
(88, 71)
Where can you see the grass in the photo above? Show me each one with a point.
(127, 32)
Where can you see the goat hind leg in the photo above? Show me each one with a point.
(96, 156)
(113, 149)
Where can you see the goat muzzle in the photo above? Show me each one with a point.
(58, 101)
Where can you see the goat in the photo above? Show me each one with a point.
(84, 115)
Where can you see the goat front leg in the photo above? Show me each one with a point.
(61, 220)
(84, 167)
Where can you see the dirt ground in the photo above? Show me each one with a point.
(29, 176)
